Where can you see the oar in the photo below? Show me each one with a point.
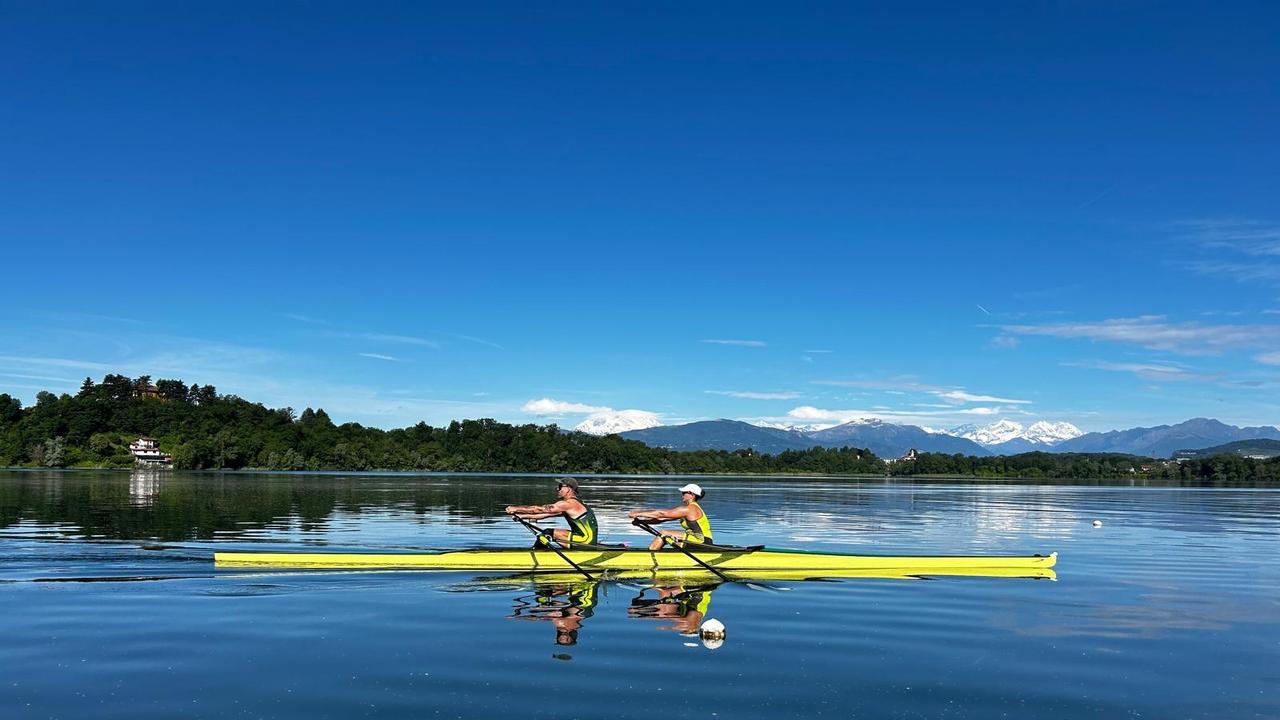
(760, 586)
(537, 531)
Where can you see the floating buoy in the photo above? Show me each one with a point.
(1097, 523)
(712, 633)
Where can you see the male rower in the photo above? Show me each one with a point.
(696, 526)
(581, 519)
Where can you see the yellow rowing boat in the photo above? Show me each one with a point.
(753, 560)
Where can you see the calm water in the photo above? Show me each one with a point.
(109, 605)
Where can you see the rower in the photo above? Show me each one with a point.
(697, 527)
(581, 519)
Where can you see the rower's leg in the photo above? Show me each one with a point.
(562, 537)
(661, 542)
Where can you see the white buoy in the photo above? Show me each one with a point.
(1097, 523)
(712, 633)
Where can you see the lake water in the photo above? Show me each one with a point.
(110, 606)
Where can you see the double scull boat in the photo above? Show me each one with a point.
(753, 561)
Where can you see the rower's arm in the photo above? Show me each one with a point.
(678, 513)
(542, 511)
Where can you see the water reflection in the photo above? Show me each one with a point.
(144, 483)
(566, 606)
(683, 607)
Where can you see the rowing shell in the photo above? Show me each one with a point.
(752, 561)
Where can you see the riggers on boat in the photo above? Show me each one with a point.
(754, 560)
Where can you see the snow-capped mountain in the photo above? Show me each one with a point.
(1050, 433)
(1039, 435)
(794, 427)
(617, 421)
(993, 434)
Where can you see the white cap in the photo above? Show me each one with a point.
(694, 488)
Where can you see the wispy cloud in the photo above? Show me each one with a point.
(38, 377)
(304, 319)
(1255, 245)
(901, 386)
(55, 362)
(1146, 371)
(739, 343)
(961, 396)
(476, 340)
(817, 352)
(1251, 237)
(1155, 332)
(810, 413)
(1003, 342)
(379, 356)
(397, 339)
(750, 395)
(1271, 358)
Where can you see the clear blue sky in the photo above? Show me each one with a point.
(415, 212)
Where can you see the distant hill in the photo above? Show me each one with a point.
(1164, 440)
(721, 435)
(883, 439)
(889, 440)
(1257, 447)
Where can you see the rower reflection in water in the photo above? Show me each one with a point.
(684, 606)
(566, 606)
(581, 519)
(697, 527)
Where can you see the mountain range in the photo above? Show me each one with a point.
(882, 438)
(1000, 438)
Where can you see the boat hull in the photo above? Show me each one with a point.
(529, 560)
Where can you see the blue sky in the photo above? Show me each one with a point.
(931, 213)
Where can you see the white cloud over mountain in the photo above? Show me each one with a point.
(600, 420)
(547, 407)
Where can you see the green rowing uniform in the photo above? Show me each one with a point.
(699, 531)
(582, 529)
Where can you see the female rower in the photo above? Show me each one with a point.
(697, 527)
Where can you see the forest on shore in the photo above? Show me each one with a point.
(203, 429)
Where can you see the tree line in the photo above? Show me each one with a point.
(203, 429)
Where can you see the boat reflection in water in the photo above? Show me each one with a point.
(566, 605)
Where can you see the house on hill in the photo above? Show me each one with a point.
(146, 451)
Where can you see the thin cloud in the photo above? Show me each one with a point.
(476, 340)
(1146, 371)
(739, 343)
(750, 395)
(811, 352)
(1004, 342)
(304, 319)
(1157, 333)
(903, 386)
(811, 413)
(379, 356)
(1252, 248)
(399, 339)
(1271, 358)
(56, 362)
(38, 377)
(961, 396)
